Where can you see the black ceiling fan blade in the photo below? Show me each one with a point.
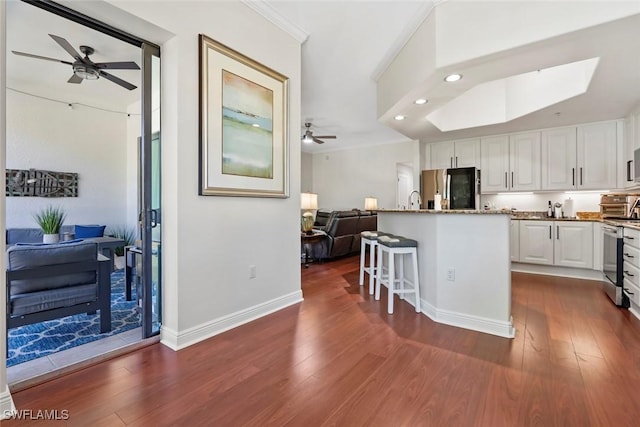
(30, 55)
(125, 65)
(75, 79)
(326, 136)
(67, 46)
(317, 141)
(117, 80)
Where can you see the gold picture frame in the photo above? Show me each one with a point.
(244, 146)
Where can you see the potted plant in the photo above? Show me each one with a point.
(128, 235)
(50, 220)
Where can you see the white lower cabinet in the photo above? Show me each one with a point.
(514, 243)
(573, 244)
(631, 268)
(536, 242)
(561, 243)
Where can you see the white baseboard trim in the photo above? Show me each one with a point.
(633, 309)
(468, 321)
(552, 270)
(7, 408)
(179, 340)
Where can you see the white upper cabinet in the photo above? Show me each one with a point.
(494, 164)
(455, 154)
(580, 158)
(442, 154)
(510, 163)
(628, 146)
(559, 159)
(596, 156)
(524, 161)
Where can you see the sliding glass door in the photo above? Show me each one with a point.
(150, 214)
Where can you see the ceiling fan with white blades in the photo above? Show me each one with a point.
(85, 68)
(309, 138)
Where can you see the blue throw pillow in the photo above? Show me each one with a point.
(88, 231)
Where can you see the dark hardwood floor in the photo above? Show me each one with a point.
(338, 359)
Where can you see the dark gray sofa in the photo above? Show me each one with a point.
(46, 282)
(343, 230)
(32, 235)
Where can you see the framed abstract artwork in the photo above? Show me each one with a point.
(244, 147)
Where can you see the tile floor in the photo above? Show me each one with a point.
(55, 364)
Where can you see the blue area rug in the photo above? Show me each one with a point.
(41, 339)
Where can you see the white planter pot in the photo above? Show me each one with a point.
(50, 238)
(119, 262)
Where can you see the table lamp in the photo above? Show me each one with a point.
(309, 202)
(370, 204)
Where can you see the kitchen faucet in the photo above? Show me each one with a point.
(419, 198)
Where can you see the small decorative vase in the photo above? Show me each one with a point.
(307, 222)
(50, 238)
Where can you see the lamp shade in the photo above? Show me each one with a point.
(370, 203)
(308, 201)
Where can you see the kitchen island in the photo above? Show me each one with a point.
(464, 265)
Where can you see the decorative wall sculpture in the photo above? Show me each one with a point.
(40, 183)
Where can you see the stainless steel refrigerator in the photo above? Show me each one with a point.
(460, 187)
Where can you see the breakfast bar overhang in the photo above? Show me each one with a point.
(464, 265)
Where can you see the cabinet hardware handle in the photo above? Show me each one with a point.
(506, 183)
(451, 160)
(628, 291)
(573, 176)
(511, 179)
(629, 237)
(628, 274)
(557, 232)
(456, 161)
(629, 170)
(580, 176)
(549, 232)
(629, 256)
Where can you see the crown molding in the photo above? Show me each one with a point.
(268, 12)
(402, 39)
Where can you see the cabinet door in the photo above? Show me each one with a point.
(536, 242)
(494, 164)
(628, 146)
(559, 159)
(514, 242)
(596, 156)
(573, 244)
(524, 161)
(442, 155)
(467, 154)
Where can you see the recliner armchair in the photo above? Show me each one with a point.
(343, 233)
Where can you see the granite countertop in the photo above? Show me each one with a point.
(447, 211)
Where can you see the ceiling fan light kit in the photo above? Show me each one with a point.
(85, 68)
(308, 137)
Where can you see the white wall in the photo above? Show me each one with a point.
(210, 242)
(47, 135)
(344, 178)
(306, 172)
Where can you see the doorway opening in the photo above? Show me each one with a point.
(85, 129)
(405, 185)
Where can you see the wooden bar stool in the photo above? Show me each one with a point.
(369, 238)
(386, 275)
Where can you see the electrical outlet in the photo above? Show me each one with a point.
(252, 272)
(451, 275)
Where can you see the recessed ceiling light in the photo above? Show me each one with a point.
(452, 78)
(399, 117)
(420, 101)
